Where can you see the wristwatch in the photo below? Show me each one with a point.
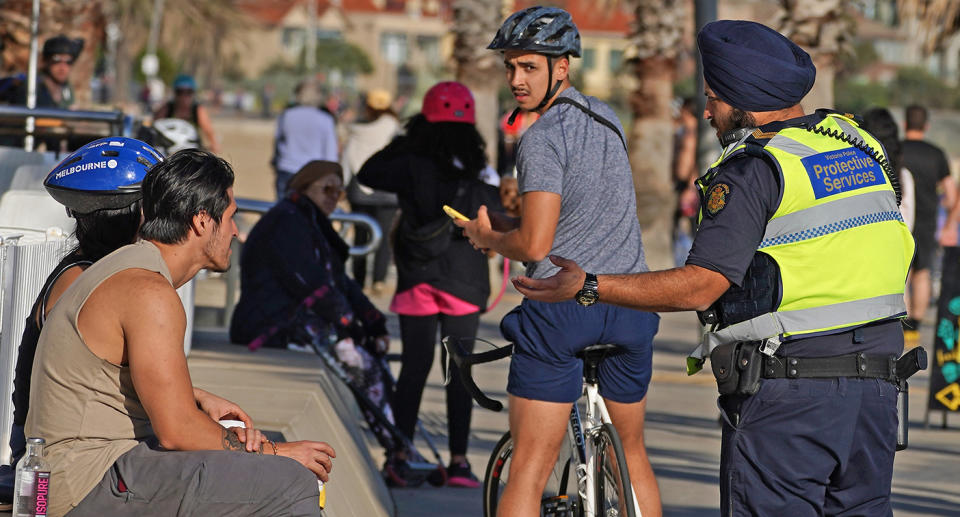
(588, 295)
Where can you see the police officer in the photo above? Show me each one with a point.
(798, 266)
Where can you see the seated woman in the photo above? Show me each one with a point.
(295, 290)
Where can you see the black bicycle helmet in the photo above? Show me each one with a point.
(104, 174)
(62, 45)
(544, 30)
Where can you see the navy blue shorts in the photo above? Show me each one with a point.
(809, 447)
(547, 336)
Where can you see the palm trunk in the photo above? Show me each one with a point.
(823, 29)
(474, 24)
(656, 37)
(651, 153)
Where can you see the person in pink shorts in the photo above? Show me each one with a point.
(441, 280)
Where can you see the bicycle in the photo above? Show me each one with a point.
(592, 449)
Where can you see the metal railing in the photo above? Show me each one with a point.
(116, 123)
(376, 233)
(116, 119)
(255, 206)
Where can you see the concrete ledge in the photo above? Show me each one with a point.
(292, 393)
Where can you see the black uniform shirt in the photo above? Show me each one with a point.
(732, 227)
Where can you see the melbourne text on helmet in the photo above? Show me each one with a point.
(85, 167)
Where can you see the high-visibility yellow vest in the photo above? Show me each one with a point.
(837, 237)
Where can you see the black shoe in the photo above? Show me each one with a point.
(400, 473)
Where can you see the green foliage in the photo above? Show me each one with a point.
(853, 96)
(916, 85)
(337, 54)
(909, 86)
(167, 68)
(686, 87)
(863, 55)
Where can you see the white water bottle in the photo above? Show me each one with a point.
(31, 491)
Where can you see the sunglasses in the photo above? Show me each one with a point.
(333, 190)
(61, 59)
(179, 91)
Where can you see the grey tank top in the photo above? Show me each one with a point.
(85, 407)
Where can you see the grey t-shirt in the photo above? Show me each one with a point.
(568, 153)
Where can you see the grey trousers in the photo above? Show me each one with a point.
(202, 483)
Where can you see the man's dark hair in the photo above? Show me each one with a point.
(101, 232)
(445, 142)
(187, 183)
(916, 116)
(880, 123)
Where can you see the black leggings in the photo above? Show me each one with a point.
(419, 335)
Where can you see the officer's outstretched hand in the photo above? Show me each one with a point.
(564, 285)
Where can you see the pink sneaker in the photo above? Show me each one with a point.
(460, 475)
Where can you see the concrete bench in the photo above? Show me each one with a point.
(292, 393)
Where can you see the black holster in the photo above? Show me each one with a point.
(737, 368)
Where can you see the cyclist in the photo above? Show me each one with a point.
(53, 86)
(577, 198)
(800, 249)
(106, 205)
(184, 106)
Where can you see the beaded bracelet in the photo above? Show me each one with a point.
(274, 445)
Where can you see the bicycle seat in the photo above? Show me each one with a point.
(592, 355)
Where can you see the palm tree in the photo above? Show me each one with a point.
(194, 32)
(656, 43)
(825, 29)
(936, 20)
(474, 24)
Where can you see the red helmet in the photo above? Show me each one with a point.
(449, 101)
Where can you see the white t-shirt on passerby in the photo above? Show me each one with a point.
(363, 140)
(304, 134)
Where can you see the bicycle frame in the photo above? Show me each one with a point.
(581, 433)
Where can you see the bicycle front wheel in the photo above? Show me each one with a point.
(560, 490)
(613, 490)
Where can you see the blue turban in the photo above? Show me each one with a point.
(753, 67)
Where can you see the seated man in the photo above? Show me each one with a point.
(111, 392)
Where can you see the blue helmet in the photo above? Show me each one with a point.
(184, 82)
(104, 174)
(544, 30)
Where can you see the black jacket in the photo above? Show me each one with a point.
(423, 187)
(293, 254)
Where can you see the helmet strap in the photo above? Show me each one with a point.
(513, 116)
(551, 91)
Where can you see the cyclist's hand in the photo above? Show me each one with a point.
(477, 229)
(562, 286)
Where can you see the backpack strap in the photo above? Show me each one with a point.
(594, 115)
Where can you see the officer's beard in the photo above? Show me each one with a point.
(735, 119)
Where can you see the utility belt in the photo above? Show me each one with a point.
(739, 368)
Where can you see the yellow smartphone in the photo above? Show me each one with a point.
(454, 214)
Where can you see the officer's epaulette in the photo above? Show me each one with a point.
(755, 141)
(852, 116)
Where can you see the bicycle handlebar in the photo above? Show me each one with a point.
(465, 363)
